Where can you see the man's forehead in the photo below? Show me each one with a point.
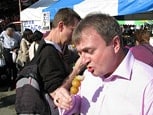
(81, 45)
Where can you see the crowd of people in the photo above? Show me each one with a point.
(15, 50)
(117, 72)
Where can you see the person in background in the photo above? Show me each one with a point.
(142, 36)
(115, 82)
(17, 33)
(143, 50)
(23, 52)
(37, 36)
(51, 66)
(10, 45)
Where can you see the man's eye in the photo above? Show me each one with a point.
(79, 53)
(89, 51)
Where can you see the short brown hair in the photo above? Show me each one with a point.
(67, 15)
(106, 26)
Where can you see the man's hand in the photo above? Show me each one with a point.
(62, 98)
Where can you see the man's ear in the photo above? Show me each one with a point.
(61, 25)
(116, 43)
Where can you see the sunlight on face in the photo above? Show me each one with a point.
(68, 30)
(93, 49)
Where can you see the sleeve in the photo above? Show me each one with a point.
(24, 50)
(51, 68)
(147, 107)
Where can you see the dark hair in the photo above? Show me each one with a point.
(142, 36)
(67, 15)
(27, 34)
(37, 35)
(11, 26)
(106, 26)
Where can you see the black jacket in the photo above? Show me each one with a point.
(52, 68)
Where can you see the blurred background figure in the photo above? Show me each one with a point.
(128, 36)
(10, 45)
(143, 50)
(36, 37)
(142, 36)
(17, 34)
(23, 53)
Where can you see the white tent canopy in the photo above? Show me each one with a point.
(34, 12)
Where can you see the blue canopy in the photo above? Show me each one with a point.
(53, 8)
(111, 7)
(134, 6)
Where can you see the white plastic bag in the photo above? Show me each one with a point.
(14, 56)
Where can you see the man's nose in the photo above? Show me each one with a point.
(85, 59)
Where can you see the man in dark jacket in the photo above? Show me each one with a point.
(52, 67)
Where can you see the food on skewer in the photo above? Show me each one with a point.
(76, 82)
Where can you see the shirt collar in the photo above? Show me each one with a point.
(55, 45)
(124, 70)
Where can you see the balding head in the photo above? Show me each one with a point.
(10, 31)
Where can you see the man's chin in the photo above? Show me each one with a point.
(95, 74)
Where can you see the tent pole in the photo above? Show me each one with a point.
(20, 8)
